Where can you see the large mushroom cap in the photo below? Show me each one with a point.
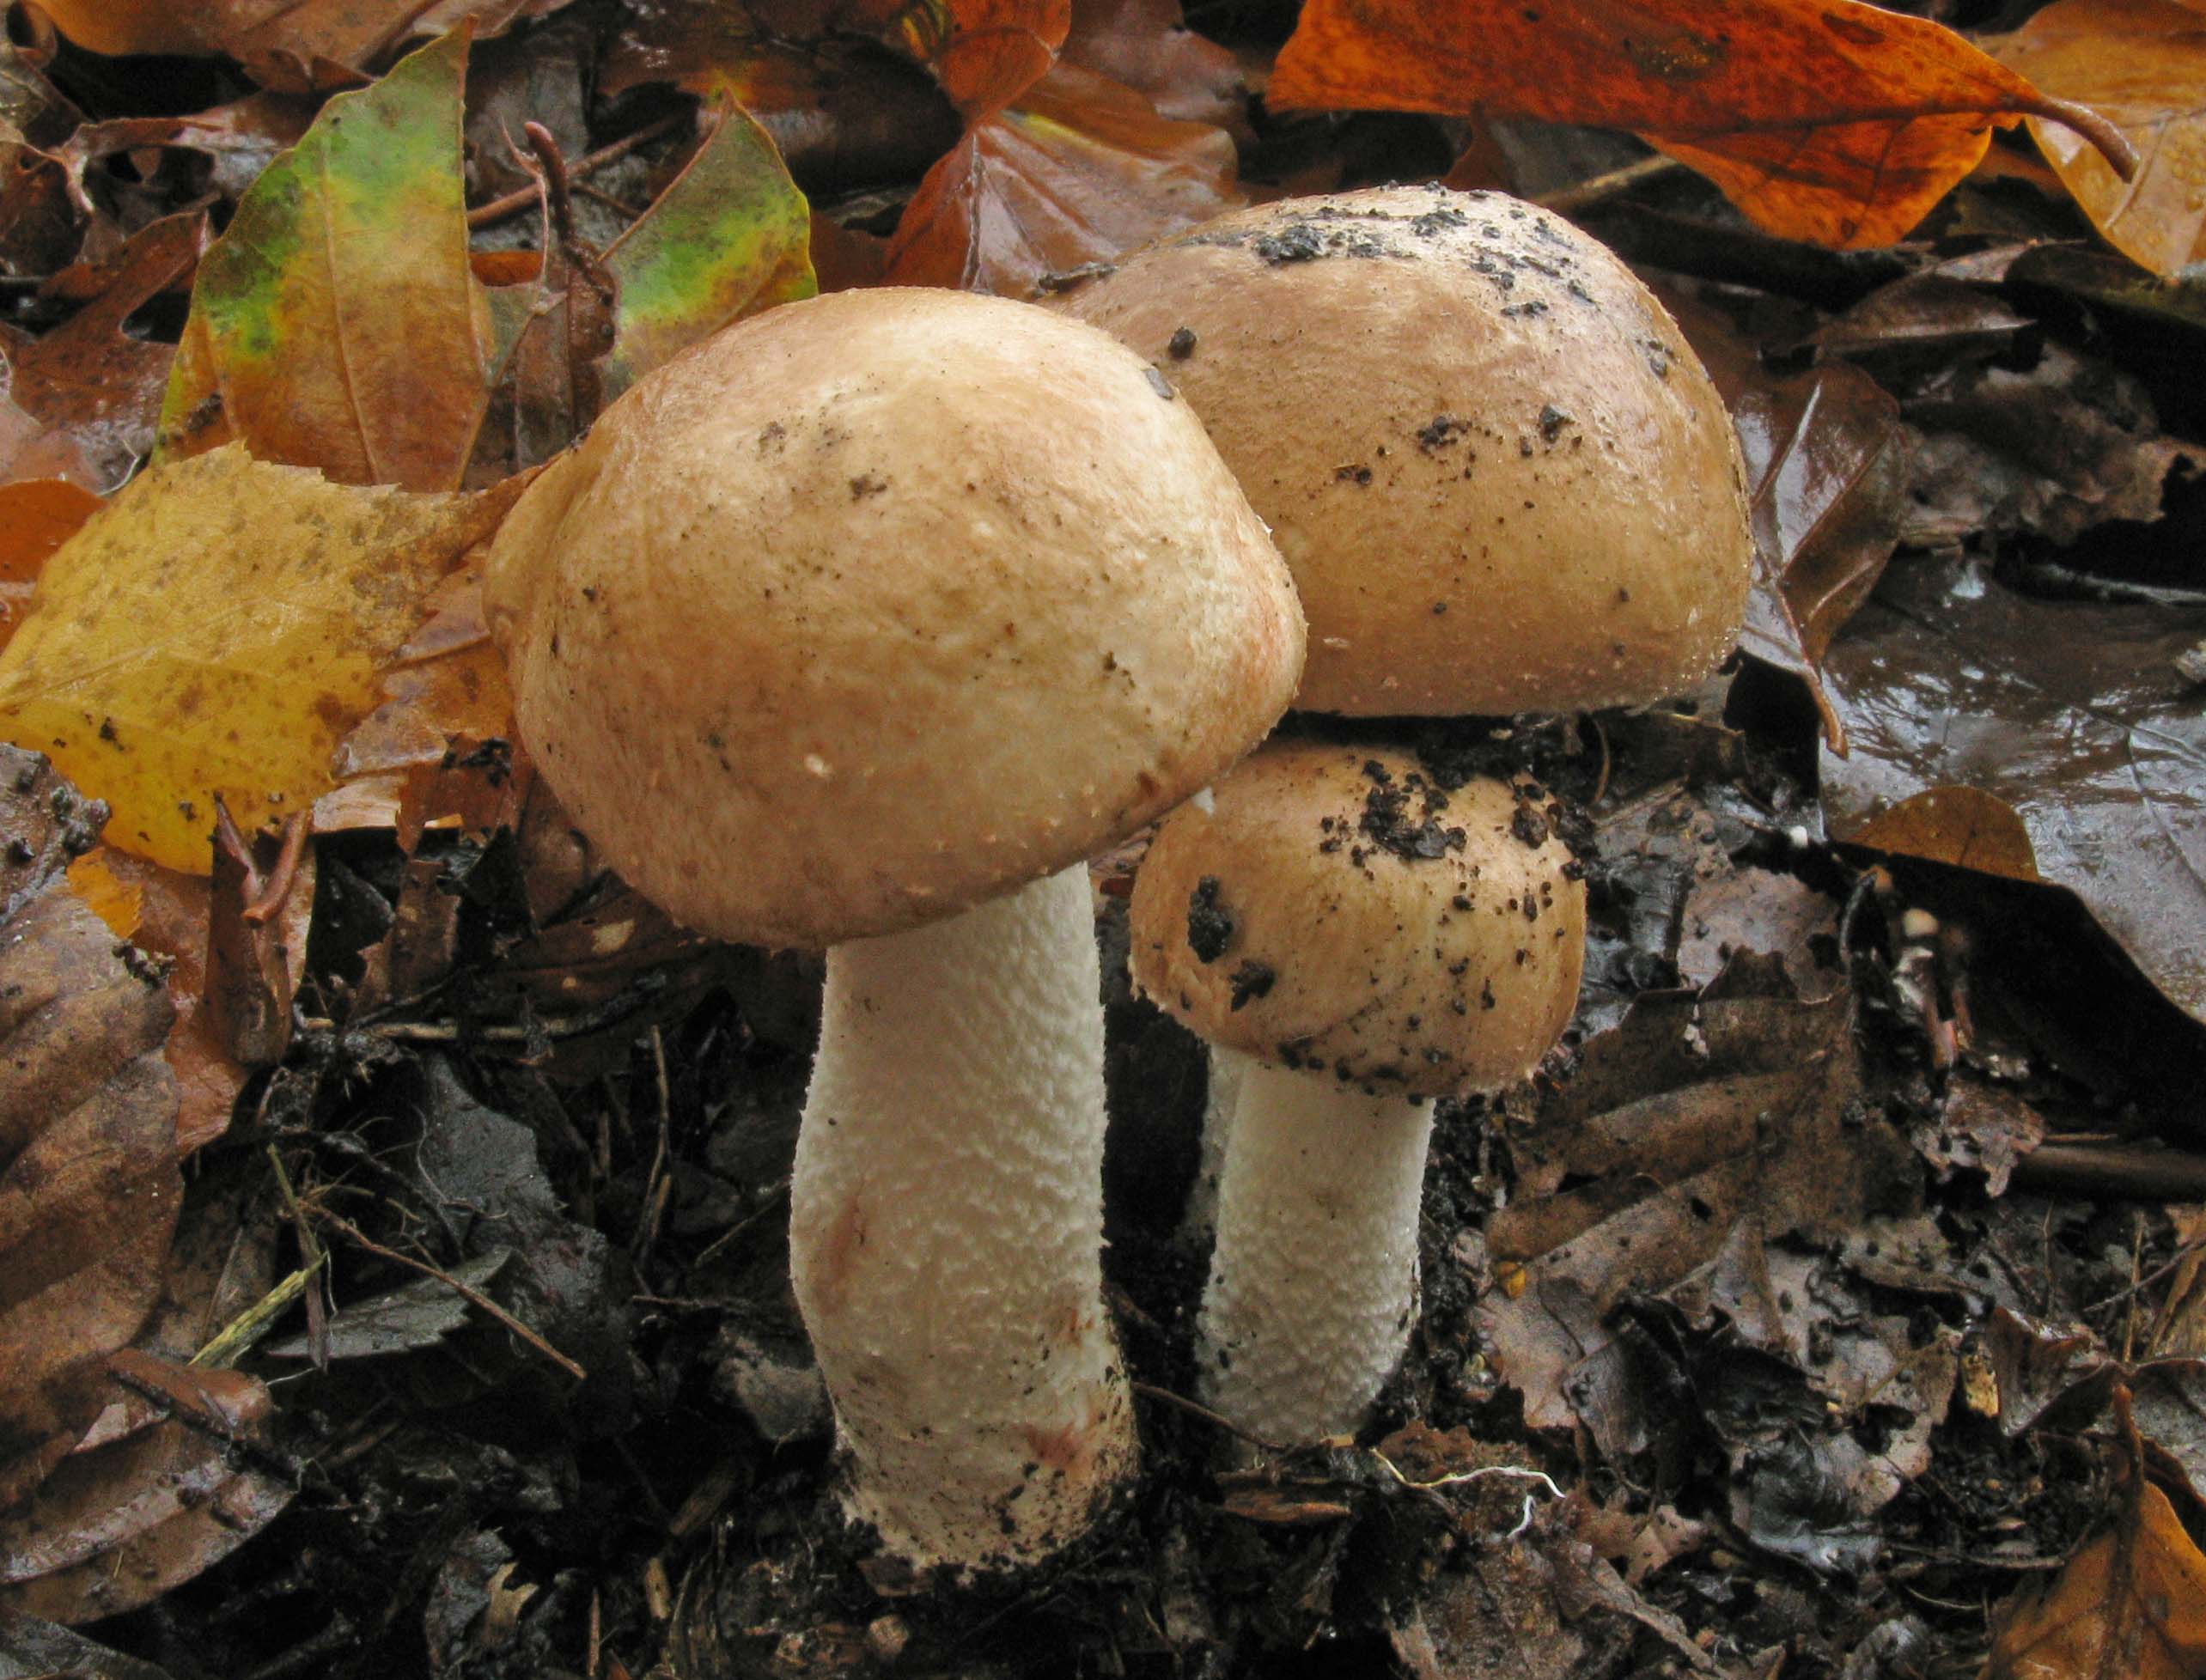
(874, 606)
(1501, 477)
(1336, 909)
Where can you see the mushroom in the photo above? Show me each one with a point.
(857, 628)
(1501, 479)
(1369, 940)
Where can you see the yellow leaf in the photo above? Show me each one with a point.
(215, 631)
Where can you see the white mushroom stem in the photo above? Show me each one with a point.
(1198, 1222)
(946, 1230)
(1314, 1281)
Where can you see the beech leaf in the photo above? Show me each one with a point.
(2143, 64)
(337, 323)
(1824, 120)
(1079, 171)
(214, 631)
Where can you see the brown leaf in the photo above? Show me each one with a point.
(36, 516)
(2143, 64)
(984, 52)
(1147, 46)
(1080, 170)
(1697, 1113)
(89, 1182)
(2074, 714)
(1963, 826)
(226, 146)
(163, 1486)
(2130, 1605)
(89, 379)
(1826, 460)
(300, 46)
(1823, 121)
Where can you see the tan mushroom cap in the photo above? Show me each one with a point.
(874, 606)
(1336, 909)
(1502, 480)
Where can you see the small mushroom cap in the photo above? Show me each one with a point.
(875, 606)
(1503, 481)
(1336, 909)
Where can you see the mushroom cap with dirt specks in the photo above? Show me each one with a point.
(1337, 910)
(1501, 479)
(874, 606)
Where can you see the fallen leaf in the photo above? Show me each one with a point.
(2073, 714)
(1699, 1112)
(36, 517)
(1147, 46)
(39, 225)
(2143, 62)
(337, 323)
(90, 380)
(163, 1486)
(88, 1181)
(1965, 826)
(215, 631)
(1823, 121)
(984, 52)
(228, 146)
(43, 1648)
(2130, 1603)
(1080, 170)
(729, 237)
(290, 44)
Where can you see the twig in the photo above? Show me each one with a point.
(1204, 1412)
(476, 1296)
(513, 203)
(1584, 195)
(229, 1344)
(2145, 1175)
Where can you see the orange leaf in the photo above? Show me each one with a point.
(1822, 119)
(2143, 62)
(984, 52)
(1079, 171)
(2131, 1603)
(36, 517)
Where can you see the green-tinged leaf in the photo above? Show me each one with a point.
(336, 324)
(732, 236)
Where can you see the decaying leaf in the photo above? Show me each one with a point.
(337, 323)
(90, 380)
(293, 44)
(2143, 64)
(2131, 1603)
(1080, 170)
(1965, 826)
(166, 1483)
(214, 631)
(729, 237)
(1824, 120)
(88, 1180)
(36, 517)
(1699, 1114)
(2074, 714)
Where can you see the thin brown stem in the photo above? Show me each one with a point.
(521, 197)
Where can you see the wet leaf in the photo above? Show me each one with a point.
(2131, 1605)
(215, 631)
(88, 1181)
(31, 1649)
(1965, 826)
(1826, 464)
(729, 237)
(2073, 714)
(36, 518)
(161, 1487)
(1080, 170)
(1697, 1115)
(337, 323)
(90, 380)
(1147, 46)
(1823, 121)
(292, 43)
(2143, 62)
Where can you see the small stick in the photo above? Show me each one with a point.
(521, 197)
(229, 1344)
(473, 1294)
(1204, 1412)
(1585, 194)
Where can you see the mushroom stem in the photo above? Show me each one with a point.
(1314, 1281)
(946, 1230)
(1198, 1221)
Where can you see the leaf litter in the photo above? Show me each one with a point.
(529, 1128)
